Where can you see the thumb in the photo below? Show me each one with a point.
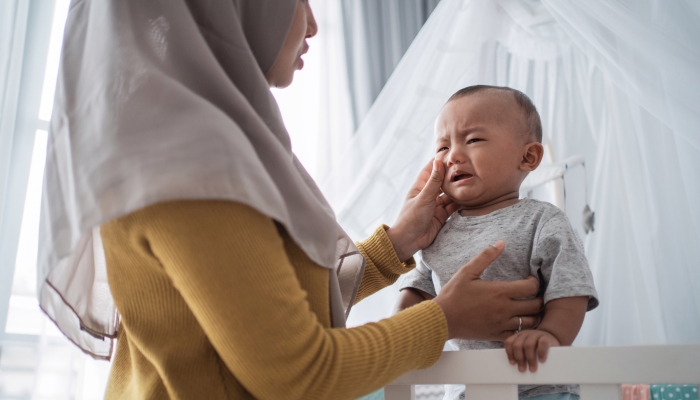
(434, 183)
(476, 266)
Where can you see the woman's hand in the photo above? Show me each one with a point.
(423, 212)
(485, 310)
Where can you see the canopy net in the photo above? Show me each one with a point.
(616, 82)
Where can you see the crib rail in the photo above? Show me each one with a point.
(599, 370)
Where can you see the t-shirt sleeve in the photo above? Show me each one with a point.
(559, 256)
(420, 278)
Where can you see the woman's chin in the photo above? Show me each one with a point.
(283, 82)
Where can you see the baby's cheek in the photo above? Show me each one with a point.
(448, 192)
(445, 182)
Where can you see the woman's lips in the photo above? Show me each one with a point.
(304, 50)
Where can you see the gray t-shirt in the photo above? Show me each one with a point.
(539, 241)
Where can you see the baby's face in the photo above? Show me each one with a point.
(480, 140)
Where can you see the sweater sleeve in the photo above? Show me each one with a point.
(383, 266)
(229, 264)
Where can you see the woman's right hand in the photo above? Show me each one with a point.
(486, 310)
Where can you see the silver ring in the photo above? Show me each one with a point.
(520, 325)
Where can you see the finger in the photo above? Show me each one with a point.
(505, 335)
(423, 177)
(447, 204)
(434, 184)
(442, 200)
(530, 348)
(451, 208)
(508, 343)
(481, 261)
(531, 321)
(522, 289)
(441, 213)
(519, 352)
(526, 307)
(542, 349)
(513, 324)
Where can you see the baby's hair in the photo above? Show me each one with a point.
(532, 117)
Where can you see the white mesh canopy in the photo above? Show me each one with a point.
(616, 81)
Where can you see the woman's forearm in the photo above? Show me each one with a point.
(383, 266)
(230, 266)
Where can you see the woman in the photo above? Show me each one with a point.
(231, 277)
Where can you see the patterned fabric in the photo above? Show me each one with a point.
(556, 396)
(635, 392)
(430, 392)
(435, 392)
(674, 392)
(423, 392)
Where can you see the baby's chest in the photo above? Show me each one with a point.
(453, 248)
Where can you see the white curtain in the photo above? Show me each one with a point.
(335, 123)
(316, 107)
(13, 26)
(617, 81)
(376, 36)
(36, 361)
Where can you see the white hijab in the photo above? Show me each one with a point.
(167, 100)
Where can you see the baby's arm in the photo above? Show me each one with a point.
(561, 322)
(409, 297)
(410, 294)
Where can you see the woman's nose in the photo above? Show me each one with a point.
(311, 26)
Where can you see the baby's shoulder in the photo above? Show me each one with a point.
(543, 210)
(551, 221)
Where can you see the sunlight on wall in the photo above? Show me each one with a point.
(24, 317)
(52, 61)
(300, 107)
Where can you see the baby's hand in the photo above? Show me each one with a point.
(524, 348)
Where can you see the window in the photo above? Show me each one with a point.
(36, 360)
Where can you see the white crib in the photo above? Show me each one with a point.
(599, 370)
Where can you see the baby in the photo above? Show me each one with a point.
(489, 139)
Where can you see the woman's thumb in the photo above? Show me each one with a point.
(432, 187)
(476, 266)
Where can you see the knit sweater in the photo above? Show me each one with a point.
(218, 302)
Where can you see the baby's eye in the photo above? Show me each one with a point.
(442, 149)
(470, 141)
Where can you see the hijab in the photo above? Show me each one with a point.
(166, 100)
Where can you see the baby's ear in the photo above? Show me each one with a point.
(532, 156)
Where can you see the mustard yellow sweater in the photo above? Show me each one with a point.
(217, 302)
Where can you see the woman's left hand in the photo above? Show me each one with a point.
(423, 213)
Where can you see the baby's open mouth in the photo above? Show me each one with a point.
(461, 176)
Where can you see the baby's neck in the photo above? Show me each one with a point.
(503, 201)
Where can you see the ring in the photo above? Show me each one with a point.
(520, 325)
